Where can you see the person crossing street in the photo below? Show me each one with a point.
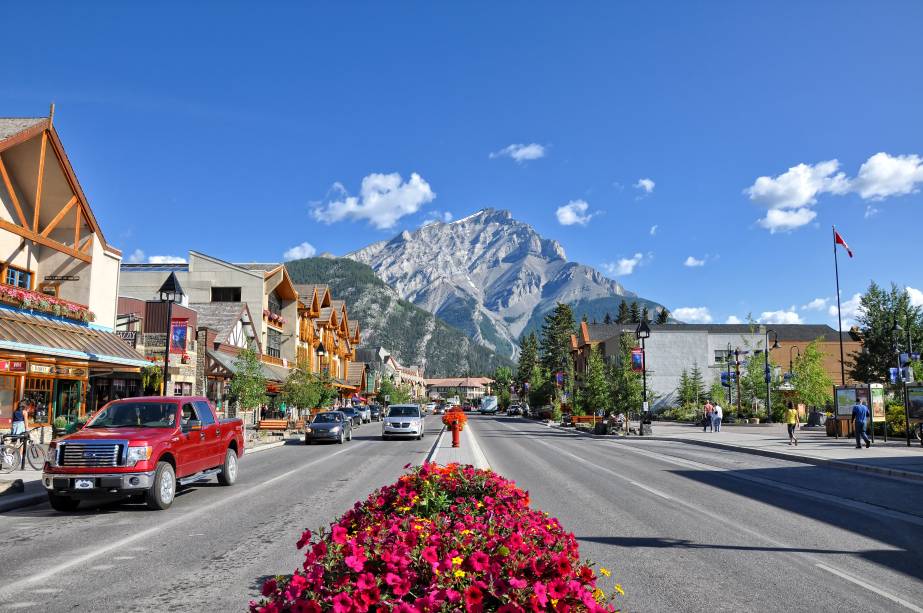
(791, 420)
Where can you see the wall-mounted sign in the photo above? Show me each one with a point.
(12, 366)
(67, 371)
(62, 277)
(129, 336)
(178, 331)
(637, 359)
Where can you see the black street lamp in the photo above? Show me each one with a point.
(791, 361)
(896, 329)
(727, 361)
(775, 345)
(642, 333)
(321, 352)
(171, 291)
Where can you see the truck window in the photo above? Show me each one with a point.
(189, 413)
(204, 412)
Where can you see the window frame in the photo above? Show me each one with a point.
(6, 271)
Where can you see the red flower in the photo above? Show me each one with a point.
(269, 586)
(474, 598)
(430, 554)
(366, 581)
(339, 535)
(342, 603)
(479, 560)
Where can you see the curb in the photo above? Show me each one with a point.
(893, 473)
(435, 448)
(480, 460)
(265, 447)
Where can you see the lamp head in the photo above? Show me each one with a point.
(643, 330)
(171, 289)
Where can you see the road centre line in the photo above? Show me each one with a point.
(11, 589)
(651, 490)
(770, 541)
(865, 584)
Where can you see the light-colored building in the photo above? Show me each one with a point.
(59, 280)
(470, 389)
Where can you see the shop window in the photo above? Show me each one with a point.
(38, 391)
(18, 277)
(273, 343)
(225, 294)
(67, 401)
(7, 398)
(182, 388)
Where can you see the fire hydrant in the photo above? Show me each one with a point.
(455, 438)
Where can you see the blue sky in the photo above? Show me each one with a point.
(243, 132)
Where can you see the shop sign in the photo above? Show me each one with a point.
(67, 371)
(129, 336)
(12, 366)
(62, 278)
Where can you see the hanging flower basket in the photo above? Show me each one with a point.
(36, 301)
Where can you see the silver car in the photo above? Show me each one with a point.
(365, 412)
(404, 420)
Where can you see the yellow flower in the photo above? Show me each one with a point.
(599, 595)
(618, 588)
(604, 571)
(459, 573)
(479, 504)
(457, 561)
(554, 602)
(466, 531)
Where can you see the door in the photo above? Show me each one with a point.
(67, 400)
(190, 455)
(213, 454)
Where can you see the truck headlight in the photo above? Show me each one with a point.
(139, 454)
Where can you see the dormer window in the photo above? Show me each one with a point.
(18, 277)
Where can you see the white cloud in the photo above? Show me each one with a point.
(654, 230)
(789, 316)
(646, 185)
(916, 296)
(693, 315)
(383, 199)
(136, 257)
(165, 259)
(851, 308)
(799, 185)
(884, 175)
(574, 212)
(818, 304)
(624, 266)
(298, 252)
(870, 211)
(780, 220)
(437, 217)
(521, 152)
(693, 262)
(733, 319)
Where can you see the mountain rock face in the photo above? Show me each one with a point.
(486, 274)
(414, 335)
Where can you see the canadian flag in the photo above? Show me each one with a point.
(838, 240)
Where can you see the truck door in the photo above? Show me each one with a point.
(190, 451)
(213, 454)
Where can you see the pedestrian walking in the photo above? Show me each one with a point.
(792, 421)
(860, 417)
(19, 418)
(716, 421)
(709, 414)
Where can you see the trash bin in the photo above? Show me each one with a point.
(844, 427)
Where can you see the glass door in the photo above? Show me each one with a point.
(38, 393)
(68, 400)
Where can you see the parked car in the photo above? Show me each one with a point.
(403, 420)
(364, 412)
(332, 426)
(431, 408)
(514, 409)
(352, 414)
(143, 449)
(375, 412)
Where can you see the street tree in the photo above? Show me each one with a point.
(634, 313)
(812, 385)
(645, 314)
(663, 316)
(555, 344)
(597, 392)
(393, 394)
(248, 385)
(879, 310)
(528, 357)
(300, 389)
(626, 384)
(503, 379)
(624, 314)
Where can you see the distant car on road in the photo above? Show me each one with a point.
(352, 414)
(439, 410)
(375, 412)
(489, 405)
(364, 412)
(333, 426)
(430, 408)
(403, 420)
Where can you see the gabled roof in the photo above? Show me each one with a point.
(222, 317)
(11, 126)
(355, 373)
(264, 267)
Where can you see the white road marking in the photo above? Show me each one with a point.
(81, 560)
(872, 588)
(651, 490)
(480, 460)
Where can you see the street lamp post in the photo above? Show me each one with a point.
(643, 332)
(171, 291)
(791, 361)
(775, 345)
(899, 377)
(727, 360)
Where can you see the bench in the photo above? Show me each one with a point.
(585, 419)
(299, 425)
(273, 425)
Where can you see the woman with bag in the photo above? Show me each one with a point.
(791, 419)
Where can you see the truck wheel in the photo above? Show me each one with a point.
(62, 503)
(163, 490)
(228, 474)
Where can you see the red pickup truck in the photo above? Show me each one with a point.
(143, 449)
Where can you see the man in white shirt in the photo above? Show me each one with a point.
(718, 414)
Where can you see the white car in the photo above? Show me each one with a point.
(365, 412)
(430, 408)
(405, 420)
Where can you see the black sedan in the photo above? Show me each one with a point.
(353, 415)
(332, 426)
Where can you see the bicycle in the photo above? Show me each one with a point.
(15, 454)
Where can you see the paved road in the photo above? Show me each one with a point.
(210, 551)
(686, 528)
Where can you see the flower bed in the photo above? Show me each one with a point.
(440, 539)
(36, 301)
(455, 416)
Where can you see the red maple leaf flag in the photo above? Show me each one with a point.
(838, 240)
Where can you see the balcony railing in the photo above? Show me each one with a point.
(273, 319)
(36, 301)
(268, 359)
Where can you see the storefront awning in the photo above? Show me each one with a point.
(226, 361)
(54, 336)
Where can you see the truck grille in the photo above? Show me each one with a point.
(89, 454)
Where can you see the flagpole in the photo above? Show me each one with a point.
(839, 313)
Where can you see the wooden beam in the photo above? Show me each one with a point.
(87, 245)
(9, 187)
(77, 228)
(57, 218)
(42, 240)
(41, 177)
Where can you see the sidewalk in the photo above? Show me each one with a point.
(469, 452)
(893, 458)
(34, 493)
